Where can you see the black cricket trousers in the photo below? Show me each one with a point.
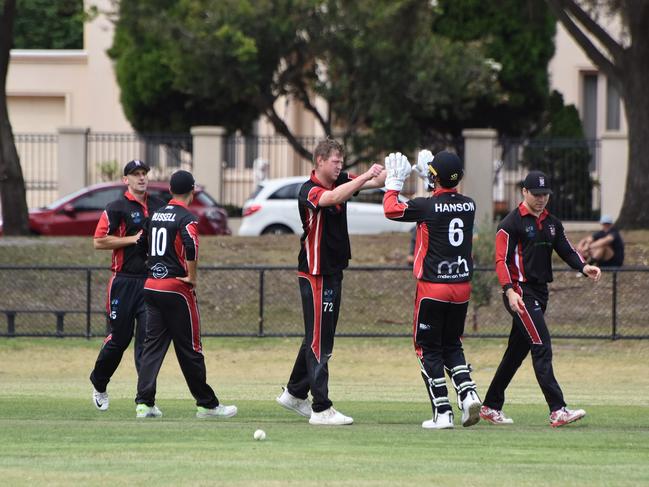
(529, 333)
(125, 306)
(173, 316)
(321, 297)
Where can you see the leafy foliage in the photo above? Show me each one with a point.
(519, 37)
(388, 79)
(44, 24)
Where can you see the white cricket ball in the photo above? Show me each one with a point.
(259, 435)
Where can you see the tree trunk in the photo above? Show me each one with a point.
(12, 184)
(635, 210)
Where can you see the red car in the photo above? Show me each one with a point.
(79, 212)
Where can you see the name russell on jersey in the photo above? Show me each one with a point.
(164, 217)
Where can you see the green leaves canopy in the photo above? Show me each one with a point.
(389, 81)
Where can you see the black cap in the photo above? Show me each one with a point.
(181, 182)
(446, 166)
(537, 183)
(134, 165)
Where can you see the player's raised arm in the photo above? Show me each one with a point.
(342, 193)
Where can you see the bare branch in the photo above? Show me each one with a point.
(281, 127)
(611, 45)
(584, 42)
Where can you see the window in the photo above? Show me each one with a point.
(288, 192)
(612, 106)
(97, 200)
(589, 105)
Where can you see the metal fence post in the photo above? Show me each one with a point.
(261, 303)
(60, 317)
(88, 301)
(614, 308)
(11, 323)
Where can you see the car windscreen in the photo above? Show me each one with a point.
(287, 192)
(97, 200)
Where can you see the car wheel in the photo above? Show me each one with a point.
(276, 230)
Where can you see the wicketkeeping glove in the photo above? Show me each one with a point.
(397, 169)
(424, 158)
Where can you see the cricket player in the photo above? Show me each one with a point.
(443, 267)
(525, 240)
(118, 230)
(324, 253)
(171, 240)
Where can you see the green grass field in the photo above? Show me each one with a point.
(52, 435)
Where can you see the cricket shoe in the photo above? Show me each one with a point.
(329, 417)
(144, 411)
(564, 416)
(470, 406)
(219, 411)
(292, 403)
(100, 399)
(494, 416)
(441, 422)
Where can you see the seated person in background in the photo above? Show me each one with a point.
(604, 248)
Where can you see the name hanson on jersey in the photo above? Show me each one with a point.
(163, 217)
(443, 207)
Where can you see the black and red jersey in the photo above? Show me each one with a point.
(444, 245)
(124, 217)
(324, 245)
(524, 245)
(170, 240)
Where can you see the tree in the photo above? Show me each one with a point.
(44, 24)
(519, 37)
(12, 184)
(388, 80)
(625, 62)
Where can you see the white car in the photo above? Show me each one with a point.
(272, 208)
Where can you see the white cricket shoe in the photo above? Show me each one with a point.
(144, 411)
(219, 411)
(443, 421)
(292, 403)
(100, 399)
(470, 406)
(329, 417)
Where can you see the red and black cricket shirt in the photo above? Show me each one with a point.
(524, 245)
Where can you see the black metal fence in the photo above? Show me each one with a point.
(572, 166)
(39, 162)
(106, 154)
(264, 301)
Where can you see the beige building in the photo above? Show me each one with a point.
(48, 90)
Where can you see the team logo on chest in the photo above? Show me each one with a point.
(136, 216)
(553, 230)
(530, 231)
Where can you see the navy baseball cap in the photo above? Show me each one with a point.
(537, 183)
(134, 165)
(181, 182)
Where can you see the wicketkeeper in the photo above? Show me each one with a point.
(443, 267)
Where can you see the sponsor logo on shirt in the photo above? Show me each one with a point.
(159, 271)
(453, 270)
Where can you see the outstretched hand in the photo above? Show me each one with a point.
(398, 169)
(424, 158)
